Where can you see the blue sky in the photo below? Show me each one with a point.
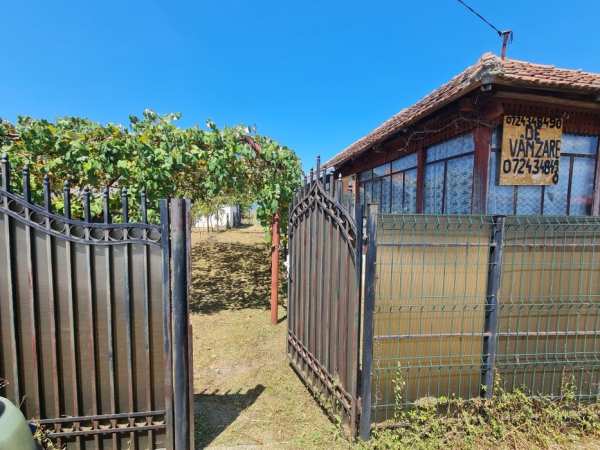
(315, 75)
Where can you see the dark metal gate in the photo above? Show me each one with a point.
(324, 292)
(95, 341)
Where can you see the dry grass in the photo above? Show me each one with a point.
(230, 271)
(246, 394)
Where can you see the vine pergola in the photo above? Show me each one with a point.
(211, 166)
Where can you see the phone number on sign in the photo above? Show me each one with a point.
(538, 122)
(521, 166)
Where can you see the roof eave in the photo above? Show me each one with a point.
(566, 89)
(488, 78)
(333, 163)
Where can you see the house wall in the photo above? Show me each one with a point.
(226, 217)
(454, 168)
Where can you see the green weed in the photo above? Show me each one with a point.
(507, 420)
(41, 436)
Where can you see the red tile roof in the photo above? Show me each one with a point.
(488, 69)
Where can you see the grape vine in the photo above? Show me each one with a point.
(212, 166)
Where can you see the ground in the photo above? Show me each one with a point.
(246, 395)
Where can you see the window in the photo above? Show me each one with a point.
(571, 196)
(409, 204)
(434, 187)
(397, 192)
(449, 176)
(366, 175)
(393, 186)
(386, 193)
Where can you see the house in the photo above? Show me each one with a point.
(502, 137)
(228, 216)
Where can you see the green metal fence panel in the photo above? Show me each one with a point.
(549, 317)
(429, 312)
(462, 299)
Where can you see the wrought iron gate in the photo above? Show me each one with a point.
(95, 341)
(324, 292)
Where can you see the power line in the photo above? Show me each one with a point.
(506, 36)
(481, 17)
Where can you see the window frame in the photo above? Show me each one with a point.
(445, 160)
(389, 173)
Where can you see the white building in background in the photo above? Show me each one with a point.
(227, 217)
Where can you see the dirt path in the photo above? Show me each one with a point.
(246, 395)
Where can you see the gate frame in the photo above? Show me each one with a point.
(330, 189)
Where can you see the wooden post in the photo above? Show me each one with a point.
(421, 162)
(596, 195)
(482, 140)
(274, 267)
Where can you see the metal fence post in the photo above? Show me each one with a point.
(490, 339)
(357, 320)
(275, 240)
(369, 304)
(180, 329)
(165, 221)
(188, 238)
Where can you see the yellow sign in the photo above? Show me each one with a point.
(530, 150)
